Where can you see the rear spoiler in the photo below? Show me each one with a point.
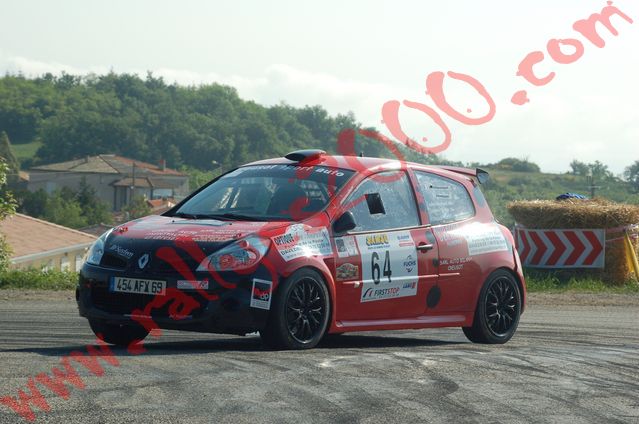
(481, 175)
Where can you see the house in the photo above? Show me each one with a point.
(40, 244)
(96, 229)
(159, 206)
(116, 179)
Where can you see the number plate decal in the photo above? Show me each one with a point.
(389, 265)
(137, 285)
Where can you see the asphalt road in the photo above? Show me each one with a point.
(566, 364)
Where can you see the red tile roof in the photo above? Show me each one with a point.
(108, 164)
(27, 235)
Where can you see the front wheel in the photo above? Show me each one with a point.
(300, 312)
(498, 309)
(116, 334)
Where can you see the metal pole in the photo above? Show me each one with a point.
(132, 184)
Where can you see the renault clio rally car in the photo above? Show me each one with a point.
(311, 244)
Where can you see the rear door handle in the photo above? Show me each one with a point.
(423, 247)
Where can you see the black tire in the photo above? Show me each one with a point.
(498, 310)
(116, 334)
(299, 314)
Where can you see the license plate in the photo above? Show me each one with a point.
(137, 285)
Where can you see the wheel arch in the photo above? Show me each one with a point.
(324, 272)
(520, 284)
(487, 275)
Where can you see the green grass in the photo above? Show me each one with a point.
(536, 281)
(25, 151)
(557, 281)
(33, 279)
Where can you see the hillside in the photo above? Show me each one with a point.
(53, 119)
(506, 186)
(207, 129)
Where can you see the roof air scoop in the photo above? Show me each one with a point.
(302, 155)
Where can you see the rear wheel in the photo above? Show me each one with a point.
(498, 309)
(118, 334)
(300, 312)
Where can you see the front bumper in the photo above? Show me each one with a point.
(215, 310)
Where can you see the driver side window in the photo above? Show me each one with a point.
(396, 194)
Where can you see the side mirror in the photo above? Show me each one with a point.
(375, 205)
(344, 223)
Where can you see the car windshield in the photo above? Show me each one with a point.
(267, 193)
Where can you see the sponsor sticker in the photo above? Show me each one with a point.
(454, 264)
(121, 251)
(303, 241)
(199, 235)
(347, 271)
(389, 265)
(410, 263)
(261, 294)
(483, 238)
(193, 284)
(346, 246)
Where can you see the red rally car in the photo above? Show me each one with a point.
(310, 244)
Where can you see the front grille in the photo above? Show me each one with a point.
(126, 303)
(161, 266)
(112, 261)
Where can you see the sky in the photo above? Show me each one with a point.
(358, 55)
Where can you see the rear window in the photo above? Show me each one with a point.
(446, 200)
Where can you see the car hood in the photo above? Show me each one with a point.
(164, 228)
(135, 246)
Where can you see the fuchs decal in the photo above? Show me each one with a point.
(410, 263)
(261, 294)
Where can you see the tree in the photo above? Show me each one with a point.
(33, 203)
(631, 174)
(6, 154)
(7, 207)
(579, 168)
(93, 209)
(137, 208)
(7, 202)
(517, 165)
(599, 171)
(62, 211)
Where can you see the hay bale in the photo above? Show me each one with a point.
(573, 213)
(585, 214)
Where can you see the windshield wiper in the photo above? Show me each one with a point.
(225, 216)
(185, 215)
(239, 217)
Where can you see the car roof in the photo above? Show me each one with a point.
(357, 164)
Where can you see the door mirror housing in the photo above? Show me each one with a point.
(375, 205)
(344, 223)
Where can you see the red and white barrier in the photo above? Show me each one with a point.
(561, 248)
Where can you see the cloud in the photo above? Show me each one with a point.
(34, 68)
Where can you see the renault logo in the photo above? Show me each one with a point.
(143, 261)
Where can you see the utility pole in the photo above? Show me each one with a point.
(132, 184)
(591, 184)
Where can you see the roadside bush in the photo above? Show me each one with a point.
(38, 280)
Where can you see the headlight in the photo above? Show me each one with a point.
(94, 256)
(239, 255)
